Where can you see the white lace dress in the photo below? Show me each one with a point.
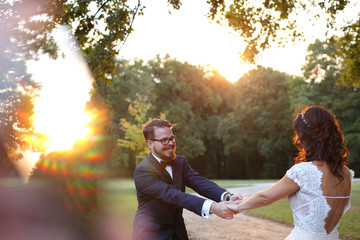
(309, 205)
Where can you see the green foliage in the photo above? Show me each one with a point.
(132, 84)
(228, 130)
(27, 30)
(261, 23)
(133, 136)
(225, 130)
(258, 23)
(190, 99)
(257, 131)
(323, 72)
(349, 46)
(16, 87)
(98, 26)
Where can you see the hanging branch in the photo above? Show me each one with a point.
(132, 20)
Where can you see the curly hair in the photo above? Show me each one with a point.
(318, 136)
(148, 128)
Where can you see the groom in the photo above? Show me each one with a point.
(160, 181)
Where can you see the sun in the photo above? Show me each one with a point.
(62, 128)
(65, 90)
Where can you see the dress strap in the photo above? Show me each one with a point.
(337, 196)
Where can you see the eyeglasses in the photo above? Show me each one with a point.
(166, 141)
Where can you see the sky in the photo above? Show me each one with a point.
(188, 35)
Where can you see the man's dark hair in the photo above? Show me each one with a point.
(148, 128)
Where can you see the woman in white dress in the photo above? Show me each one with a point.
(318, 185)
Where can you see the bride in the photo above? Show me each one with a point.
(318, 185)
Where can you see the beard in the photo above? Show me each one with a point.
(167, 153)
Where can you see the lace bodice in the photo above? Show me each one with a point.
(309, 205)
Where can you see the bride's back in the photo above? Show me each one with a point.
(336, 192)
(321, 200)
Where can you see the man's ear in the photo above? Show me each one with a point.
(149, 144)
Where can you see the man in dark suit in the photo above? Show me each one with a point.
(160, 181)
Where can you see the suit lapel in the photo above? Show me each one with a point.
(163, 174)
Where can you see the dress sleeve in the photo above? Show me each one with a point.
(294, 173)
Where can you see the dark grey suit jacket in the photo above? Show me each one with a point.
(161, 200)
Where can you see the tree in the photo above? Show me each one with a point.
(263, 22)
(98, 26)
(349, 45)
(214, 160)
(187, 96)
(133, 136)
(323, 73)
(16, 87)
(181, 92)
(130, 86)
(256, 133)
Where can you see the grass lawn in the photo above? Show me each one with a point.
(119, 200)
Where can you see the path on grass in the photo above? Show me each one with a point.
(243, 226)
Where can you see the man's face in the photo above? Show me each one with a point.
(165, 152)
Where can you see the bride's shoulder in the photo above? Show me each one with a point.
(302, 169)
(302, 165)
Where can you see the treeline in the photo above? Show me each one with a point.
(236, 130)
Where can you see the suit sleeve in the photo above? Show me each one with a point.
(202, 185)
(148, 182)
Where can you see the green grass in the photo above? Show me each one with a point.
(350, 223)
(119, 199)
(279, 211)
(119, 203)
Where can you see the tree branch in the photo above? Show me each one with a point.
(132, 20)
(101, 8)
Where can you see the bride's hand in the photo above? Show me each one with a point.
(234, 207)
(236, 198)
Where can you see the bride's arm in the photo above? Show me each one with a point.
(282, 189)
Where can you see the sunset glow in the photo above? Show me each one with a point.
(62, 128)
(60, 109)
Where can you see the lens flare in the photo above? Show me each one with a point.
(60, 108)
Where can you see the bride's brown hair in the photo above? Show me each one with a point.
(318, 136)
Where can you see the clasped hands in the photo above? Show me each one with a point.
(227, 209)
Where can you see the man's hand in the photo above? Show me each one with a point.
(221, 210)
(233, 207)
